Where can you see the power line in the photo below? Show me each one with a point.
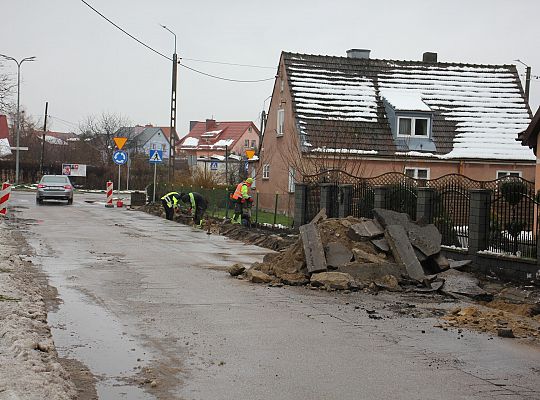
(226, 79)
(168, 58)
(228, 63)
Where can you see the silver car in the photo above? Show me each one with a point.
(54, 187)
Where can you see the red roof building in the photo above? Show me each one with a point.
(213, 138)
(4, 130)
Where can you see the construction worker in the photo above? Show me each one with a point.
(198, 206)
(241, 196)
(170, 203)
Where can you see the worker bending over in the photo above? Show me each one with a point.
(198, 206)
(170, 203)
(241, 198)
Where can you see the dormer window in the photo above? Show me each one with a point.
(413, 126)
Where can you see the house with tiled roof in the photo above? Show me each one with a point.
(213, 139)
(57, 138)
(371, 116)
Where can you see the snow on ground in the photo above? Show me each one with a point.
(29, 367)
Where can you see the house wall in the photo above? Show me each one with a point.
(239, 147)
(537, 168)
(160, 142)
(277, 151)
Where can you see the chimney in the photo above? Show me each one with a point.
(192, 125)
(210, 125)
(429, 57)
(358, 53)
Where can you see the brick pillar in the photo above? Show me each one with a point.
(327, 198)
(300, 204)
(379, 197)
(345, 200)
(479, 220)
(424, 204)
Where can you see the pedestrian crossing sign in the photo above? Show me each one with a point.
(156, 156)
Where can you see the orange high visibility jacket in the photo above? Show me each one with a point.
(241, 191)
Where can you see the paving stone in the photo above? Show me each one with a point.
(381, 244)
(337, 255)
(462, 283)
(403, 251)
(366, 229)
(313, 248)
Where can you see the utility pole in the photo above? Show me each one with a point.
(172, 130)
(261, 131)
(43, 138)
(527, 79)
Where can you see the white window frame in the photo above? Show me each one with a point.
(415, 174)
(266, 171)
(253, 144)
(280, 128)
(504, 173)
(291, 182)
(413, 124)
(246, 142)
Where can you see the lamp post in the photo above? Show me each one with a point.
(527, 78)
(172, 134)
(18, 123)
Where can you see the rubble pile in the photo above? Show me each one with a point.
(388, 252)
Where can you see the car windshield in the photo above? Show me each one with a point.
(55, 179)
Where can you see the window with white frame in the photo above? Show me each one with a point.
(254, 177)
(246, 143)
(153, 146)
(280, 121)
(502, 174)
(266, 171)
(413, 126)
(253, 143)
(291, 180)
(417, 173)
(163, 147)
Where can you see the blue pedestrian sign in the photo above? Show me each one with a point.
(156, 156)
(213, 166)
(120, 157)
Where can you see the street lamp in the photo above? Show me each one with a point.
(18, 123)
(172, 129)
(527, 78)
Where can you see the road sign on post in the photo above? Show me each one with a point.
(120, 157)
(156, 157)
(120, 142)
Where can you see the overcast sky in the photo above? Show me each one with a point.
(86, 66)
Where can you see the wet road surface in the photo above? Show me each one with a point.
(143, 297)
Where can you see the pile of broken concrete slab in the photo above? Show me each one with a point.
(387, 252)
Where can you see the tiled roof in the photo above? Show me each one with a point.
(219, 135)
(478, 110)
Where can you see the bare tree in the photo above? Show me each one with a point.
(100, 131)
(7, 84)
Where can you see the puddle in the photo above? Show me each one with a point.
(86, 332)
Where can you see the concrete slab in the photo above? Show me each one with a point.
(367, 229)
(462, 283)
(337, 255)
(313, 248)
(381, 244)
(403, 251)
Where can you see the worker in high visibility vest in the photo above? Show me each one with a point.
(198, 205)
(242, 198)
(170, 203)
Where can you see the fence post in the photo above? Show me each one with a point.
(424, 204)
(300, 204)
(379, 196)
(479, 220)
(275, 208)
(326, 200)
(345, 200)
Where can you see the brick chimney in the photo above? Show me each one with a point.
(210, 125)
(429, 57)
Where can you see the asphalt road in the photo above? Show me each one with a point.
(146, 299)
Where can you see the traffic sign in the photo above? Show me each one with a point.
(120, 157)
(156, 156)
(213, 166)
(120, 142)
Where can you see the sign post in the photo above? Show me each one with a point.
(156, 157)
(120, 157)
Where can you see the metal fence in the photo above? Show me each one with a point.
(513, 207)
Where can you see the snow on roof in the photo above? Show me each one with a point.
(478, 110)
(405, 100)
(235, 157)
(211, 133)
(344, 151)
(223, 143)
(55, 141)
(5, 148)
(218, 157)
(191, 142)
